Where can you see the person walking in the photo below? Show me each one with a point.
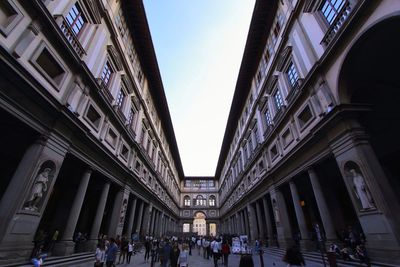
(123, 248)
(99, 255)
(226, 250)
(216, 250)
(130, 251)
(166, 253)
(111, 253)
(174, 255)
(147, 247)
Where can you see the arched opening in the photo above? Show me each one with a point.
(370, 76)
(199, 224)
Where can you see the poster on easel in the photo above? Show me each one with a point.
(236, 248)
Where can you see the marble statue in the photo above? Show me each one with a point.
(361, 190)
(38, 190)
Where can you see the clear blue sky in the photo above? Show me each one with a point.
(199, 46)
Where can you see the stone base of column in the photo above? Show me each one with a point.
(91, 245)
(16, 252)
(271, 243)
(64, 248)
(307, 245)
(385, 254)
(285, 242)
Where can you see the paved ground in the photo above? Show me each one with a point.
(197, 261)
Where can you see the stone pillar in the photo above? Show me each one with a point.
(139, 224)
(18, 224)
(305, 241)
(94, 233)
(322, 206)
(284, 231)
(246, 223)
(147, 218)
(152, 219)
(238, 221)
(261, 234)
(252, 224)
(119, 212)
(268, 222)
(131, 218)
(66, 247)
(381, 222)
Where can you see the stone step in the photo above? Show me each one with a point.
(316, 257)
(59, 261)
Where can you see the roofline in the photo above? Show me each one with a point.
(261, 22)
(138, 25)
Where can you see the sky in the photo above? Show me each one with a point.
(199, 46)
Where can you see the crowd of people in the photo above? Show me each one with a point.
(173, 252)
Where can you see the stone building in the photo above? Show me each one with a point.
(311, 149)
(87, 141)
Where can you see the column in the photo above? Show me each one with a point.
(268, 222)
(147, 219)
(284, 231)
(259, 220)
(246, 223)
(252, 224)
(118, 213)
(131, 218)
(152, 220)
(322, 206)
(67, 246)
(17, 226)
(139, 220)
(94, 233)
(305, 237)
(238, 220)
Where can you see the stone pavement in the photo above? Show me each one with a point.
(198, 261)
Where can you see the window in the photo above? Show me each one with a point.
(287, 137)
(111, 137)
(76, 19)
(131, 116)
(9, 16)
(211, 201)
(120, 98)
(106, 73)
(330, 9)
(278, 99)
(274, 152)
(292, 74)
(268, 117)
(186, 201)
(305, 117)
(49, 66)
(93, 116)
(200, 201)
(124, 151)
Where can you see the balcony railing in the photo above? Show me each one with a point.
(70, 35)
(337, 23)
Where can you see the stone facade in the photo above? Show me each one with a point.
(88, 146)
(310, 149)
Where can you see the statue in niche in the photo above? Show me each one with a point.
(276, 211)
(361, 190)
(38, 190)
(123, 210)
